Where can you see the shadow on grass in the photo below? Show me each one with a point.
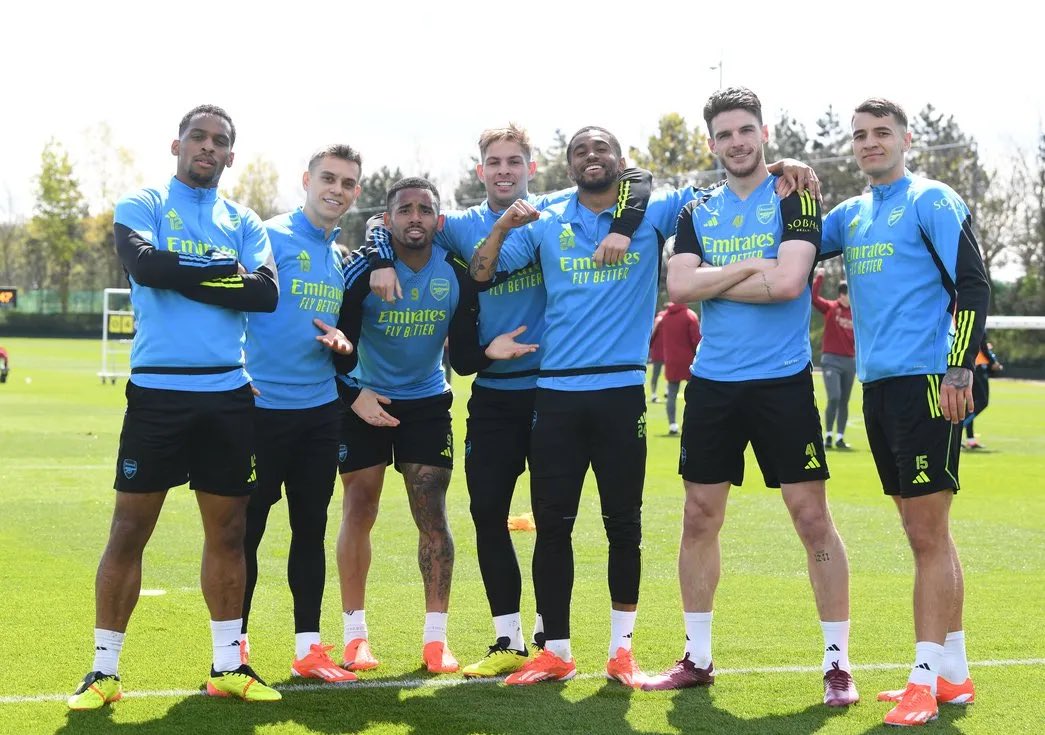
(464, 709)
(442, 710)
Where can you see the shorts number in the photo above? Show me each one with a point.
(921, 462)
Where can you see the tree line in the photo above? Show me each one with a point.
(67, 243)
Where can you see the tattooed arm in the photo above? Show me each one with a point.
(484, 260)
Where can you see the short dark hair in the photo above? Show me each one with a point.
(207, 110)
(587, 129)
(881, 107)
(414, 182)
(733, 98)
(843, 287)
(337, 150)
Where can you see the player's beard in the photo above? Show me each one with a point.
(746, 170)
(602, 183)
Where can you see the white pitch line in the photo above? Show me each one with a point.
(450, 682)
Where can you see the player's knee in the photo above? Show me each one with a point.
(624, 528)
(813, 525)
(552, 526)
(127, 537)
(927, 537)
(360, 507)
(700, 518)
(488, 512)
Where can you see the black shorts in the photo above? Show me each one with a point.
(297, 448)
(171, 437)
(422, 437)
(915, 448)
(778, 416)
(498, 439)
(604, 429)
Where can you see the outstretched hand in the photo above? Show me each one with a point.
(504, 346)
(333, 338)
(368, 406)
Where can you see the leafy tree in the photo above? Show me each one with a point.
(56, 229)
(371, 201)
(676, 153)
(470, 190)
(789, 139)
(552, 168)
(258, 188)
(831, 154)
(942, 151)
(101, 268)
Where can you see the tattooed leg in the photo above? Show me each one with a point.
(825, 552)
(426, 488)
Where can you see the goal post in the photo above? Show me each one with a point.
(117, 334)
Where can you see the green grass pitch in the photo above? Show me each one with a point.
(58, 436)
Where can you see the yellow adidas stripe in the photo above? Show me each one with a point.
(622, 198)
(933, 395)
(962, 335)
(231, 282)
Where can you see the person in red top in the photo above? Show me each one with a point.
(837, 359)
(679, 331)
(5, 365)
(656, 356)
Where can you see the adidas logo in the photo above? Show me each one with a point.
(448, 453)
(921, 479)
(833, 647)
(925, 667)
(713, 222)
(813, 463)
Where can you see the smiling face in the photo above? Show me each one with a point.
(331, 188)
(204, 151)
(880, 145)
(505, 171)
(736, 140)
(594, 160)
(413, 219)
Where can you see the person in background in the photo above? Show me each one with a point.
(986, 363)
(679, 331)
(656, 356)
(837, 359)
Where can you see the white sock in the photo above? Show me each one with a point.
(836, 645)
(225, 637)
(955, 666)
(828, 436)
(561, 648)
(838, 437)
(510, 627)
(622, 625)
(107, 647)
(355, 625)
(698, 638)
(927, 659)
(538, 628)
(303, 642)
(435, 627)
